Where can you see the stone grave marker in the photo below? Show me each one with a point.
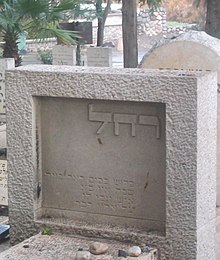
(114, 153)
(99, 57)
(64, 55)
(192, 51)
(8, 63)
(3, 183)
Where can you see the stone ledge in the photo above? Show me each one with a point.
(56, 246)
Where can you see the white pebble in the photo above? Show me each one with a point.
(134, 251)
(83, 255)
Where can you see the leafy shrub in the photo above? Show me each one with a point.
(46, 231)
(45, 55)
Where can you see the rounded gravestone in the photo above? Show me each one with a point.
(194, 51)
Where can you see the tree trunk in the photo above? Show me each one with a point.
(101, 20)
(129, 30)
(212, 26)
(10, 49)
(100, 32)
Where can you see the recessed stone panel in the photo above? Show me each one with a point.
(104, 158)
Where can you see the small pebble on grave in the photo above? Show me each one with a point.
(83, 255)
(98, 248)
(122, 253)
(102, 257)
(146, 249)
(134, 251)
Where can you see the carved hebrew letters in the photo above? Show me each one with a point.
(151, 121)
(116, 118)
(125, 119)
(105, 118)
(3, 183)
(111, 194)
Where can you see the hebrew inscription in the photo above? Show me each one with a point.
(3, 183)
(103, 161)
(102, 117)
(110, 195)
(2, 90)
(117, 119)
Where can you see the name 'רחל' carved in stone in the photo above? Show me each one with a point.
(122, 118)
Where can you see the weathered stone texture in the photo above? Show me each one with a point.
(190, 100)
(192, 51)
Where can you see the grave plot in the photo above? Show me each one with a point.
(126, 154)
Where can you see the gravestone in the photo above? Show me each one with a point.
(64, 55)
(3, 183)
(8, 63)
(122, 154)
(192, 51)
(99, 57)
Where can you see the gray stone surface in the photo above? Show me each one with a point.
(98, 248)
(128, 166)
(192, 51)
(57, 247)
(3, 183)
(64, 55)
(83, 255)
(99, 57)
(217, 235)
(134, 251)
(191, 113)
(5, 63)
(3, 136)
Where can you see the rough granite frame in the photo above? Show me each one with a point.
(191, 112)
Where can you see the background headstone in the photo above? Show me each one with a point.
(3, 183)
(5, 64)
(64, 55)
(192, 51)
(99, 57)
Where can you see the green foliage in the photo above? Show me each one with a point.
(45, 55)
(154, 4)
(40, 18)
(88, 9)
(46, 231)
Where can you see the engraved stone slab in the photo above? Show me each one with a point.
(99, 57)
(51, 113)
(3, 183)
(64, 55)
(4, 64)
(107, 157)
